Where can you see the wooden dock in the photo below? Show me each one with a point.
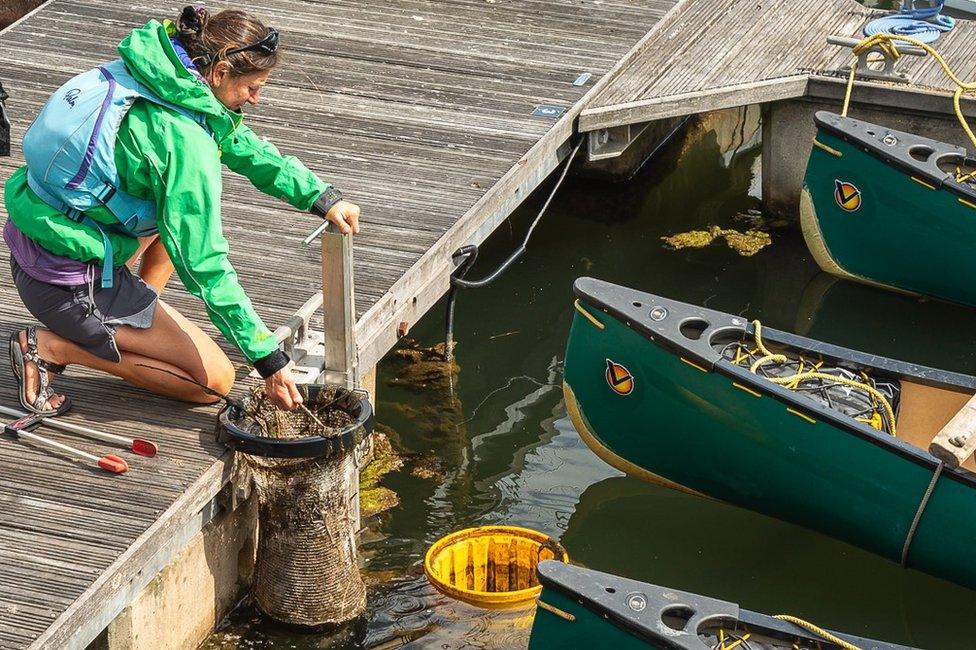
(708, 55)
(421, 111)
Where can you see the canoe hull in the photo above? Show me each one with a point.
(901, 223)
(708, 431)
(583, 608)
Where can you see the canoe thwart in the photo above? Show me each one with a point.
(956, 442)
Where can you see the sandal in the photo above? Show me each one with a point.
(18, 363)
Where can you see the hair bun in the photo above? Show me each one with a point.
(193, 19)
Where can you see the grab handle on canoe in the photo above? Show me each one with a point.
(956, 442)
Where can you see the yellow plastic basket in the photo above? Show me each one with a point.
(491, 566)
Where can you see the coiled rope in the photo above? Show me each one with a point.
(924, 23)
(801, 376)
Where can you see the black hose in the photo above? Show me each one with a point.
(465, 257)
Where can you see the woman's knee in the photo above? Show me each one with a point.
(218, 373)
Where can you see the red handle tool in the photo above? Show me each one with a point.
(23, 427)
(137, 445)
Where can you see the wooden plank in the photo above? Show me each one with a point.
(911, 98)
(714, 54)
(956, 441)
(338, 304)
(137, 566)
(648, 110)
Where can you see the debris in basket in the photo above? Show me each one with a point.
(321, 417)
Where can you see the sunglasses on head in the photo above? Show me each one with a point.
(268, 44)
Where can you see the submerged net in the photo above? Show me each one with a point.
(837, 388)
(307, 567)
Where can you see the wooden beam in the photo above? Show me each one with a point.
(904, 97)
(339, 306)
(956, 442)
(693, 103)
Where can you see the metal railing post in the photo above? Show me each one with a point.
(339, 309)
(341, 353)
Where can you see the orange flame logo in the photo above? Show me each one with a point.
(619, 378)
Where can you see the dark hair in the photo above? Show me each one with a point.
(209, 39)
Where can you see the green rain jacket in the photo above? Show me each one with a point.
(166, 157)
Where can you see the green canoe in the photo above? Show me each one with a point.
(890, 208)
(582, 608)
(650, 389)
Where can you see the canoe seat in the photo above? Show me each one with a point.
(924, 411)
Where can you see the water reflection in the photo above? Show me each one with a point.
(887, 323)
(766, 565)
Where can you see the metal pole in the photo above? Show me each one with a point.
(339, 307)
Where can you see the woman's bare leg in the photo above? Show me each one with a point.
(144, 243)
(187, 349)
(156, 268)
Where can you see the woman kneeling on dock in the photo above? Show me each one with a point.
(144, 181)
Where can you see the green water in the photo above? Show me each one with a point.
(507, 452)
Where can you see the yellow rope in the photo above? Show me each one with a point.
(800, 376)
(887, 43)
(817, 630)
(738, 642)
(850, 87)
(767, 355)
(964, 178)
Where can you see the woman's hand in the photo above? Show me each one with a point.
(282, 391)
(345, 216)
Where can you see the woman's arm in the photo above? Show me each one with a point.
(283, 177)
(286, 178)
(185, 179)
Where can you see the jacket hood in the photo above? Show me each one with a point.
(150, 57)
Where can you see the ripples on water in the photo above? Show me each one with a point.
(507, 453)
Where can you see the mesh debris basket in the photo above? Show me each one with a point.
(305, 470)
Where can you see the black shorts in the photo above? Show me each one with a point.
(88, 315)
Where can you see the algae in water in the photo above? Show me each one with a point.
(423, 369)
(373, 497)
(746, 243)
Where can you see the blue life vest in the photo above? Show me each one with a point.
(70, 152)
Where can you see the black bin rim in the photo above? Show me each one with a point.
(355, 403)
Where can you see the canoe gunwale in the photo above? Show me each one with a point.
(718, 612)
(856, 359)
(571, 582)
(907, 164)
(586, 290)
